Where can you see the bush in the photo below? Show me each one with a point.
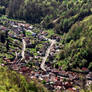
(2, 10)
(10, 81)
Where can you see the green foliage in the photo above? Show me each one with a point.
(2, 10)
(77, 49)
(66, 17)
(10, 81)
(46, 11)
(32, 11)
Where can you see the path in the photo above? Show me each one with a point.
(23, 49)
(53, 42)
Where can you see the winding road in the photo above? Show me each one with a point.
(52, 42)
(47, 54)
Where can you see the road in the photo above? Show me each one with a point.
(23, 49)
(47, 54)
(52, 42)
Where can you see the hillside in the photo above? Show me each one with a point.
(17, 83)
(48, 41)
(77, 45)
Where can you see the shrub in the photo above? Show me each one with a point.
(10, 81)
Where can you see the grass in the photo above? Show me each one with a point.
(5, 17)
(50, 32)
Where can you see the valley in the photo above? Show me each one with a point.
(45, 45)
(28, 64)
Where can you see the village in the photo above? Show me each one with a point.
(35, 58)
